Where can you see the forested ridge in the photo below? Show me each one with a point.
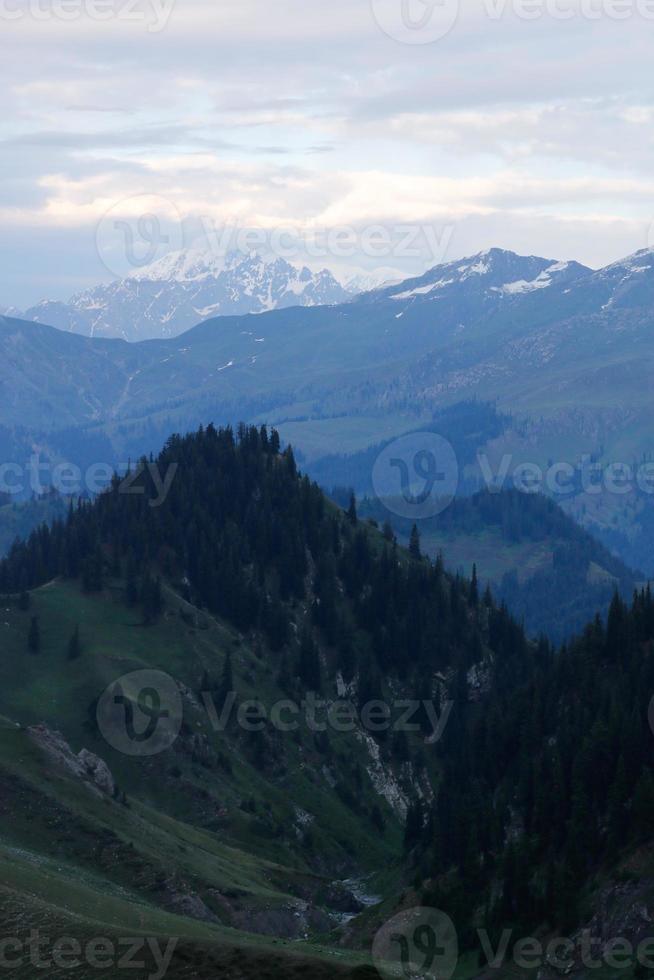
(553, 574)
(544, 774)
(550, 782)
(248, 538)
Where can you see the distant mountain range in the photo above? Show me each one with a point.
(537, 336)
(566, 352)
(175, 293)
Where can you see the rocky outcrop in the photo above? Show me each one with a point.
(624, 914)
(97, 771)
(292, 922)
(86, 766)
(190, 905)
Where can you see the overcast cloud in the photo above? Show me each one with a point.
(534, 135)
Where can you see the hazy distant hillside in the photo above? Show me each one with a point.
(553, 575)
(18, 519)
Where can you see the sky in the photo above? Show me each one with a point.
(352, 135)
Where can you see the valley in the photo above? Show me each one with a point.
(326, 490)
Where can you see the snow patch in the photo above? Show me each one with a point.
(423, 290)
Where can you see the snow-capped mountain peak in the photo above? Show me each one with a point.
(493, 272)
(182, 288)
(635, 264)
(185, 265)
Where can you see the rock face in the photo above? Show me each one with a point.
(624, 913)
(86, 766)
(98, 771)
(191, 906)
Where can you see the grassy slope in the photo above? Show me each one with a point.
(81, 859)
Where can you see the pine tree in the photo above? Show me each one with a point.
(34, 638)
(131, 586)
(474, 588)
(414, 543)
(643, 806)
(309, 663)
(74, 645)
(92, 571)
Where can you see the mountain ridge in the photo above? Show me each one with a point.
(567, 353)
(174, 293)
(522, 811)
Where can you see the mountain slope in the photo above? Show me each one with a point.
(519, 811)
(175, 293)
(246, 583)
(18, 519)
(50, 379)
(566, 352)
(466, 281)
(552, 574)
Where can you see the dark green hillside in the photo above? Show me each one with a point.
(247, 580)
(19, 518)
(546, 809)
(553, 575)
(258, 846)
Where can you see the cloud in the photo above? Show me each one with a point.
(296, 114)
